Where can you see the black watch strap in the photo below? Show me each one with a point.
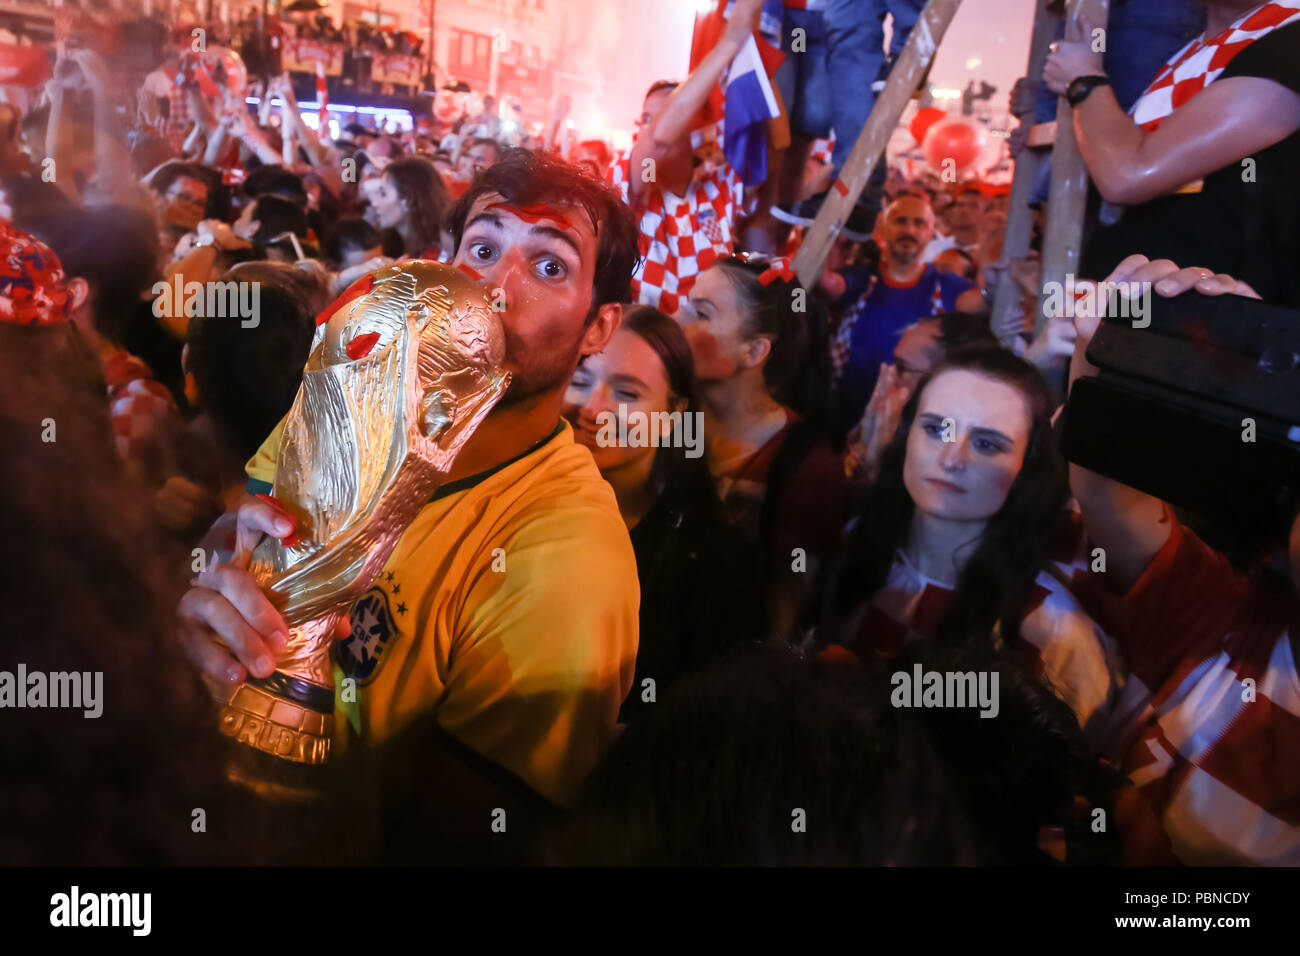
(1081, 86)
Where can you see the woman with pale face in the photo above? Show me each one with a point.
(965, 449)
(951, 545)
(633, 405)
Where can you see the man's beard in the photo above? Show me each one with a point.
(529, 383)
(529, 380)
(905, 255)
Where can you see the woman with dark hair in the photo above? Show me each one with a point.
(412, 199)
(952, 543)
(762, 377)
(634, 406)
(921, 346)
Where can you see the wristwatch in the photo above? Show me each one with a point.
(1081, 86)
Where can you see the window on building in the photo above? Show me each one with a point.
(470, 53)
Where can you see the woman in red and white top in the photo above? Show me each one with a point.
(1211, 742)
(951, 546)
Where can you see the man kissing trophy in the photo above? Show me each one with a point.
(405, 365)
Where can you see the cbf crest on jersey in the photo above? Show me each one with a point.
(373, 629)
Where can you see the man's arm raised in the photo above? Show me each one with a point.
(661, 140)
(1130, 525)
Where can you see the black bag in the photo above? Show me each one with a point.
(1175, 405)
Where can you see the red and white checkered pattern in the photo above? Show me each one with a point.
(1199, 64)
(841, 345)
(823, 148)
(1059, 641)
(1207, 726)
(143, 414)
(680, 236)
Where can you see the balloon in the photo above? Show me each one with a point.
(220, 61)
(957, 140)
(923, 120)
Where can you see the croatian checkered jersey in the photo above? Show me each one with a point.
(681, 236)
(1208, 724)
(1199, 64)
(1059, 641)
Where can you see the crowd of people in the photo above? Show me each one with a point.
(679, 650)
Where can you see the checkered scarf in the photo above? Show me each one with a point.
(1199, 64)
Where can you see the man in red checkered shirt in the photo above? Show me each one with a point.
(687, 216)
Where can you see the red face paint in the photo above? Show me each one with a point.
(534, 213)
(360, 346)
(476, 276)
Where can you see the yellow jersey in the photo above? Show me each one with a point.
(508, 609)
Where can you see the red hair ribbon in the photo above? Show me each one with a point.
(354, 291)
(779, 268)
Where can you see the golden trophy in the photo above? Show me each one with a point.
(403, 368)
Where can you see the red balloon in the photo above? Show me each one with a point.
(923, 120)
(956, 139)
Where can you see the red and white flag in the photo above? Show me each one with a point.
(323, 98)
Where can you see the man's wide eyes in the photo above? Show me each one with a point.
(481, 251)
(551, 269)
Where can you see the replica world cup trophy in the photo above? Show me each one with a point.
(403, 368)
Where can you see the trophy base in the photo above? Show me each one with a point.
(286, 736)
(275, 780)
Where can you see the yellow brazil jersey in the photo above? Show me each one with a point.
(509, 610)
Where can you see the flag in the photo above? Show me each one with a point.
(750, 102)
(23, 65)
(323, 98)
(742, 105)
